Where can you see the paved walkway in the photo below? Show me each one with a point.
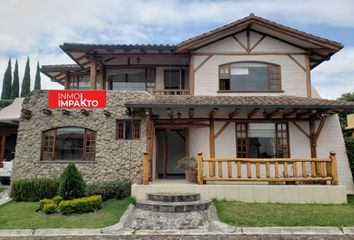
(4, 196)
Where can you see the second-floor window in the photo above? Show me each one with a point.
(249, 76)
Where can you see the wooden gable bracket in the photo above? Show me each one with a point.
(297, 62)
(191, 112)
(253, 112)
(316, 133)
(169, 113)
(258, 42)
(241, 44)
(226, 124)
(202, 63)
(235, 113)
(213, 112)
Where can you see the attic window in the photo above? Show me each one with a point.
(249, 76)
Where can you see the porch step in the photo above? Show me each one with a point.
(173, 197)
(173, 207)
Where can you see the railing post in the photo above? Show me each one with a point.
(334, 175)
(200, 168)
(145, 168)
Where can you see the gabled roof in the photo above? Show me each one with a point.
(57, 72)
(319, 49)
(88, 46)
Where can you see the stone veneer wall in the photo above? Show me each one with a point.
(115, 159)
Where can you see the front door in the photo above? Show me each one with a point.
(171, 147)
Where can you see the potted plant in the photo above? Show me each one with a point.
(189, 164)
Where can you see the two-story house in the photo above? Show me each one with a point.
(240, 94)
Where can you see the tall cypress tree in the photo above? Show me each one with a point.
(15, 88)
(37, 81)
(6, 84)
(26, 82)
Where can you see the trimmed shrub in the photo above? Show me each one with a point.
(80, 205)
(349, 144)
(109, 190)
(44, 202)
(71, 183)
(50, 208)
(34, 189)
(57, 199)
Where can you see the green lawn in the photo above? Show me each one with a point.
(23, 215)
(274, 214)
(1, 189)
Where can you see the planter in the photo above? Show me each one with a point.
(191, 176)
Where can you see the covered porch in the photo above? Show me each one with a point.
(256, 140)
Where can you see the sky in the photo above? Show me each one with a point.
(36, 28)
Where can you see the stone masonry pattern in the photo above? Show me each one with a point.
(115, 159)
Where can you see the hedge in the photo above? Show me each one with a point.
(34, 189)
(109, 190)
(80, 205)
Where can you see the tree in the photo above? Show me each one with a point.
(348, 97)
(26, 82)
(15, 88)
(37, 81)
(6, 84)
(71, 183)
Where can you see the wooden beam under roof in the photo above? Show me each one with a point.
(213, 112)
(289, 113)
(234, 113)
(275, 113)
(253, 112)
(305, 113)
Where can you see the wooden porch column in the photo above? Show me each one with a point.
(93, 73)
(211, 148)
(313, 145)
(102, 76)
(2, 150)
(149, 140)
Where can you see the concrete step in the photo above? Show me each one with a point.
(173, 207)
(173, 197)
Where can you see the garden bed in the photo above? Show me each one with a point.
(276, 214)
(16, 215)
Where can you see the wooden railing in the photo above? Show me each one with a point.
(171, 92)
(288, 170)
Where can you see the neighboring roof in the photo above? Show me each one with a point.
(286, 102)
(12, 112)
(57, 72)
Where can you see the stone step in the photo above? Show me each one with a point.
(173, 197)
(173, 207)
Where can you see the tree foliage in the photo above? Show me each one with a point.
(37, 81)
(26, 82)
(6, 84)
(71, 183)
(15, 88)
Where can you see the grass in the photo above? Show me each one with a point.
(276, 214)
(23, 215)
(1, 189)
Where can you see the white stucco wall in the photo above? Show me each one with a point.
(206, 77)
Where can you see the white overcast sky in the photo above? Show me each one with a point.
(36, 28)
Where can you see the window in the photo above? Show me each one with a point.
(262, 140)
(138, 79)
(69, 143)
(249, 76)
(128, 129)
(81, 82)
(174, 79)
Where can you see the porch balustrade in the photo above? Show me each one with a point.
(288, 170)
(171, 92)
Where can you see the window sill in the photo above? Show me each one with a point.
(68, 161)
(235, 91)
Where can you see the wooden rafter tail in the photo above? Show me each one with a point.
(275, 113)
(213, 112)
(305, 113)
(235, 113)
(253, 112)
(289, 113)
(191, 112)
